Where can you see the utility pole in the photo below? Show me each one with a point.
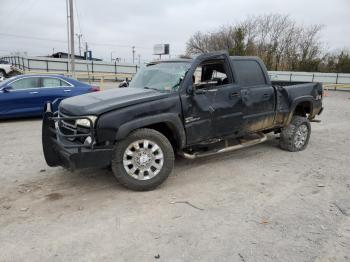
(68, 36)
(139, 56)
(86, 51)
(133, 54)
(79, 38)
(72, 58)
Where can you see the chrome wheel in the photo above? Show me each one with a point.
(143, 159)
(300, 137)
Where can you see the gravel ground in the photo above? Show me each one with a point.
(256, 204)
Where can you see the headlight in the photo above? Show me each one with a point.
(86, 123)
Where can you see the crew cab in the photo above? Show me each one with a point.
(192, 107)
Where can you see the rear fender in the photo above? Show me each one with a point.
(298, 101)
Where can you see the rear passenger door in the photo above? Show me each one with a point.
(258, 95)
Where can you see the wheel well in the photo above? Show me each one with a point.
(167, 131)
(303, 108)
(2, 70)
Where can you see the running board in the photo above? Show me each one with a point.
(195, 155)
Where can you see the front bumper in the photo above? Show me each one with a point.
(59, 151)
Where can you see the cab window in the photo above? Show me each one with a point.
(211, 74)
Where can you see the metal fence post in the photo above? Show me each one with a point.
(115, 70)
(336, 80)
(47, 66)
(92, 70)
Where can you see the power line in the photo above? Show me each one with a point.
(32, 37)
(61, 41)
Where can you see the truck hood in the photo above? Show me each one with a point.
(97, 103)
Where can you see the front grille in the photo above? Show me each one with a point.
(69, 127)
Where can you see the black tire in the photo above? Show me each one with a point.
(129, 181)
(2, 73)
(290, 140)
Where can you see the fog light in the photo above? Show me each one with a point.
(88, 141)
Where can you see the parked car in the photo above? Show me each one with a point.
(5, 69)
(211, 104)
(26, 95)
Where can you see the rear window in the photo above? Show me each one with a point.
(53, 82)
(249, 72)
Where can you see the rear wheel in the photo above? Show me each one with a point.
(143, 160)
(295, 137)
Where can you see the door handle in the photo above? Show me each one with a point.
(266, 95)
(67, 90)
(234, 94)
(33, 93)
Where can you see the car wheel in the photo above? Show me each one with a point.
(143, 160)
(295, 137)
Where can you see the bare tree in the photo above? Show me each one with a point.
(275, 38)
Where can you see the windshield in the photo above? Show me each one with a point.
(162, 76)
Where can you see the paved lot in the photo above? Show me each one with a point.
(256, 204)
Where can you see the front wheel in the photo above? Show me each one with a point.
(143, 160)
(295, 136)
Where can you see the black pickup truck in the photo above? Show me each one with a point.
(193, 107)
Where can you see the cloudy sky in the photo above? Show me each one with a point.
(114, 26)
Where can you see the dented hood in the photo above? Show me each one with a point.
(100, 102)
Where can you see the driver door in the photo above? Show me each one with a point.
(198, 101)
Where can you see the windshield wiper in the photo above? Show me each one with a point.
(146, 87)
(152, 88)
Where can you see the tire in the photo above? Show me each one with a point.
(2, 73)
(142, 169)
(295, 137)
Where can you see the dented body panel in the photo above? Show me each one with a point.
(245, 102)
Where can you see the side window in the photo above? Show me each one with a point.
(51, 82)
(26, 83)
(211, 74)
(249, 72)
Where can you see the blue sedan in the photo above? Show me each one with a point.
(26, 95)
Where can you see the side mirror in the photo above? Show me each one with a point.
(124, 84)
(7, 89)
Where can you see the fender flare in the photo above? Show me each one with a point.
(173, 121)
(298, 101)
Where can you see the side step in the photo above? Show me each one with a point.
(242, 144)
